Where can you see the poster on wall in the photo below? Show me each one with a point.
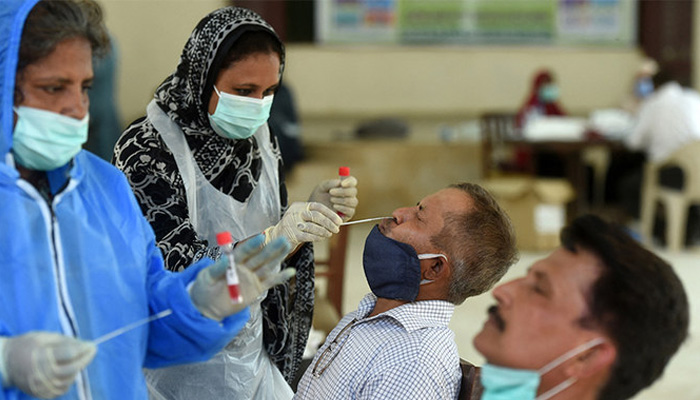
(356, 21)
(609, 22)
(487, 22)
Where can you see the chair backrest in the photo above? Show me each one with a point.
(676, 201)
(471, 387)
(496, 127)
(687, 159)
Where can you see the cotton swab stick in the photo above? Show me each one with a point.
(131, 326)
(362, 221)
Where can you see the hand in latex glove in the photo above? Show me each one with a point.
(305, 222)
(337, 194)
(258, 269)
(43, 364)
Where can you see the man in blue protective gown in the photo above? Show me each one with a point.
(78, 260)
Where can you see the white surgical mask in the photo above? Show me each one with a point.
(502, 383)
(43, 140)
(238, 117)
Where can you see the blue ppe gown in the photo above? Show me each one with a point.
(86, 263)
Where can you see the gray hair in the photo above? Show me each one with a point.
(480, 244)
(51, 22)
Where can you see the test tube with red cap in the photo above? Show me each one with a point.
(225, 242)
(343, 173)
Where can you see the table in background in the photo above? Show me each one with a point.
(571, 152)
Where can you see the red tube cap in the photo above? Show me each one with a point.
(223, 238)
(344, 171)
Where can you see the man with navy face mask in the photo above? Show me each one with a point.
(599, 318)
(453, 244)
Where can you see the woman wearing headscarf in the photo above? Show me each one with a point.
(203, 160)
(542, 99)
(78, 259)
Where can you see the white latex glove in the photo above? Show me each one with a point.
(305, 222)
(43, 364)
(337, 194)
(258, 269)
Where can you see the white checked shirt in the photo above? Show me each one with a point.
(407, 352)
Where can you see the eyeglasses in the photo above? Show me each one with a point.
(338, 343)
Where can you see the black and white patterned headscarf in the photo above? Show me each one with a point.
(185, 94)
(231, 166)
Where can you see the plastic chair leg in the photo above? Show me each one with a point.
(676, 216)
(647, 219)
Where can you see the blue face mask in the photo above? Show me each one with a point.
(548, 93)
(43, 140)
(392, 268)
(238, 117)
(502, 383)
(644, 87)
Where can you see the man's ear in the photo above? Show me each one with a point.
(437, 267)
(593, 361)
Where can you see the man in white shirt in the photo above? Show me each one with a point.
(667, 120)
(454, 244)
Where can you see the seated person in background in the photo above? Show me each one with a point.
(454, 244)
(642, 85)
(542, 101)
(599, 318)
(667, 120)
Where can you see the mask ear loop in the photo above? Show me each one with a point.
(560, 360)
(427, 256)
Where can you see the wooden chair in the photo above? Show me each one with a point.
(471, 387)
(496, 129)
(333, 268)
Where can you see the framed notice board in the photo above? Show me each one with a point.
(477, 22)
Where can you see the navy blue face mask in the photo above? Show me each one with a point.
(392, 268)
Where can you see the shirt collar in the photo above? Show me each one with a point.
(412, 316)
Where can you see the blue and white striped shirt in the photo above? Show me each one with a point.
(408, 352)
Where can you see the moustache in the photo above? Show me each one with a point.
(500, 323)
(386, 224)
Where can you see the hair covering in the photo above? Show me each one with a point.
(233, 167)
(542, 77)
(13, 13)
(85, 263)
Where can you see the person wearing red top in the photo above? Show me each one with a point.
(542, 100)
